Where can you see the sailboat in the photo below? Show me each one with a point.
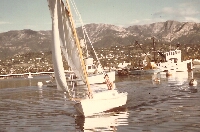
(66, 43)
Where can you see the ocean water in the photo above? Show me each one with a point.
(169, 105)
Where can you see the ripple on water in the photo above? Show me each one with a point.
(150, 107)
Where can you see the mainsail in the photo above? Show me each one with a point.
(56, 52)
(65, 39)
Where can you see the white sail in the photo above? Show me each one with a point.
(67, 41)
(56, 52)
(63, 38)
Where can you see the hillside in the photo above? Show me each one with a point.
(24, 41)
(103, 35)
(165, 32)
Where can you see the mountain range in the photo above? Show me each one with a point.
(103, 35)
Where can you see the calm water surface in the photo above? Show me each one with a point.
(171, 105)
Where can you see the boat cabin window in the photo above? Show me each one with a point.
(89, 67)
(175, 60)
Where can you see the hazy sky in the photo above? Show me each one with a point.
(35, 15)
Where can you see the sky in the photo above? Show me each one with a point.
(35, 15)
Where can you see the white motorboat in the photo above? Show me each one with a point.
(173, 62)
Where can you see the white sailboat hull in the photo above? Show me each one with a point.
(102, 101)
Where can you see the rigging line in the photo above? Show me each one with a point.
(78, 14)
(84, 30)
(79, 50)
(80, 20)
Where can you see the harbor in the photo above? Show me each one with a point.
(99, 66)
(150, 106)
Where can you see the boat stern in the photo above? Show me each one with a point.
(101, 103)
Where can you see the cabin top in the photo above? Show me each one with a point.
(173, 54)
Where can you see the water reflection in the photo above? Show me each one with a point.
(40, 91)
(29, 79)
(156, 78)
(179, 78)
(180, 81)
(166, 106)
(176, 79)
(106, 122)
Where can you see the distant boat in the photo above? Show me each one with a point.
(147, 65)
(123, 69)
(167, 62)
(66, 42)
(173, 62)
(29, 75)
(123, 72)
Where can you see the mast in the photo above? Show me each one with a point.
(154, 49)
(79, 48)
